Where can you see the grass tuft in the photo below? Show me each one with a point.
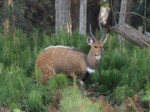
(73, 101)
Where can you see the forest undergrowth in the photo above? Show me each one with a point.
(121, 82)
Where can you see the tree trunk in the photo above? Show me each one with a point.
(6, 12)
(114, 9)
(83, 16)
(75, 7)
(129, 9)
(122, 18)
(122, 14)
(93, 9)
(62, 15)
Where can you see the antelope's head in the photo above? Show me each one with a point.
(97, 45)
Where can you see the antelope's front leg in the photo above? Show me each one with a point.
(81, 86)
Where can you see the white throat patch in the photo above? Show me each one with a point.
(89, 70)
(98, 57)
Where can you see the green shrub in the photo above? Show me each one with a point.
(34, 100)
(123, 71)
(146, 96)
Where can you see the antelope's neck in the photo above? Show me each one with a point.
(92, 62)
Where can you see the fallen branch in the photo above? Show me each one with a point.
(132, 35)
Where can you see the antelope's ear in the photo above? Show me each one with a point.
(90, 41)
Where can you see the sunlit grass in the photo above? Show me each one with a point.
(74, 101)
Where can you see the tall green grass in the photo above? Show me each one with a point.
(123, 71)
(73, 101)
(20, 87)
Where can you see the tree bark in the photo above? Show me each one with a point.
(129, 9)
(83, 15)
(122, 14)
(93, 8)
(62, 15)
(122, 18)
(132, 35)
(6, 11)
(114, 9)
(75, 7)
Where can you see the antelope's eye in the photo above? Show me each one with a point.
(95, 46)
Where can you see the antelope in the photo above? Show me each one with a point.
(67, 60)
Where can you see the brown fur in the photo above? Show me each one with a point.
(59, 59)
(55, 60)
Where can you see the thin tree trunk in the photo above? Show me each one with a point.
(6, 11)
(122, 14)
(129, 9)
(62, 15)
(75, 7)
(115, 7)
(93, 8)
(83, 16)
(122, 18)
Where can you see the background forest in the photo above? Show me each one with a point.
(120, 84)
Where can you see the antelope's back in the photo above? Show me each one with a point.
(61, 60)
